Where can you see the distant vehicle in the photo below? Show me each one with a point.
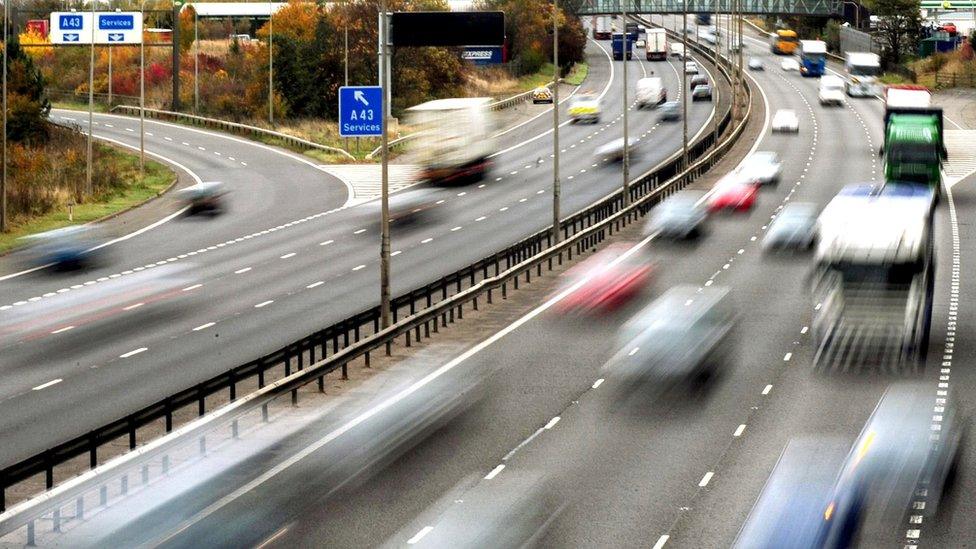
(733, 192)
(686, 336)
(862, 69)
(608, 285)
(783, 42)
(542, 94)
(691, 67)
(813, 57)
(712, 39)
(601, 27)
(790, 65)
(736, 44)
(802, 505)
(680, 216)
(795, 228)
(755, 64)
(676, 49)
(410, 206)
(785, 120)
(454, 138)
(64, 249)
(584, 108)
(656, 45)
(703, 19)
(620, 45)
(763, 167)
(698, 80)
(670, 111)
(240, 37)
(702, 92)
(206, 197)
(831, 90)
(614, 150)
(949, 28)
(914, 147)
(651, 92)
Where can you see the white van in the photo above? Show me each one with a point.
(650, 92)
(831, 90)
(677, 49)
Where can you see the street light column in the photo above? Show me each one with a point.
(556, 236)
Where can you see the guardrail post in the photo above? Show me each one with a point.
(165, 465)
(132, 434)
(264, 412)
(201, 402)
(49, 474)
(125, 484)
(3, 494)
(345, 373)
(321, 382)
(92, 450)
(80, 508)
(30, 534)
(56, 518)
(203, 446)
(103, 495)
(145, 474)
(294, 397)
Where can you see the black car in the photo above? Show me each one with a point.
(698, 80)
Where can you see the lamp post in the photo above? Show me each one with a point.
(142, 95)
(384, 172)
(857, 12)
(3, 176)
(196, 62)
(271, 63)
(91, 102)
(625, 48)
(555, 123)
(684, 85)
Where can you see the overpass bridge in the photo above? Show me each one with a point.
(758, 7)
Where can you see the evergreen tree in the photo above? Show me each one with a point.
(27, 101)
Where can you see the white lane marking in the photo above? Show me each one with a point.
(326, 243)
(204, 326)
(288, 255)
(552, 422)
(597, 383)
(107, 125)
(398, 252)
(426, 240)
(787, 357)
(804, 330)
(242, 271)
(315, 284)
(767, 389)
(273, 537)
(360, 231)
(704, 481)
(482, 218)
(130, 307)
(633, 351)
(458, 228)
(62, 330)
(48, 384)
(191, 288)
(185, 143)
(359, 267)
(134, 352)
(494, 472)
(663, 539)
(420, 535)
(129, 130)
(739, 430)
(264, 304)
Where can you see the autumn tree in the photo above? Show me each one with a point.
(528, 29)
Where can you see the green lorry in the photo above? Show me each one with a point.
(914, 146)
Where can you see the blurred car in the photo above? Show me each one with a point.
(686, 335)
(786, 121)
(763, 167)
(756, 64)
(676, 50)
(691, 67)
(831, 90)
(670, 110)
(733, 192)
(698, 80)
(801, 505)
(64, 249)
(411, 205)
(680, 216)
(794, 228)
(585, 108)
(702, 93)
(949, 28)
(542, 94)
(605, 284)
(790, 65)
(206, 197)
(614, 150)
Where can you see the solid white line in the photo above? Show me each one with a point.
(135, 352)
(420, 535)
(263, 304)
(191, 288)
(48, 384)
(767, 389)
(739, 430)
(552, 423)
(704, 481)
(62, 330)
(242, 271)
(494, 472)
(288, 256)
(661, 541)
(130, 307)
(275, 536)
(204, 326)
(315, 284)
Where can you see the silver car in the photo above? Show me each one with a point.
(614, 150)
(682, 216)
(762, 167)
(795, 228)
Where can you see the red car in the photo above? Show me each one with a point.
(603, 285)
(733, 193)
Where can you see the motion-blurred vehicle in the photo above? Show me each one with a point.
(795, 228)
(651, 92)
(914, 147)
(862, 69)
(614, 150)
(676, 50)
(831, 90)
(785, 121)
(733, 192)
(763, 167)
(684, 336)
(702, 92)
(410, 205)
(585, 108)
(904, 447)
(790, 65)
(698, 80)
(454, 138)
(949, 28)
(542, 94)
(64, 249)
(691, 67)
(802, 506)
(656, 45)
(680, 216)
(813, 57)
(607, 282)
(783, 42)
(670, 111)
(756, 64)
(206, 197)
(623, 44)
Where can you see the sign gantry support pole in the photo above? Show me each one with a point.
(142, 95)
(556, 236)
(685, 92)
(3, 170)
(271, 64)
(384, 171)
(91, 102)
(625, 48)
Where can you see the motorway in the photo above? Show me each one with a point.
(682, 471)
(286, 260)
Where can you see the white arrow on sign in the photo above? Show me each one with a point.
(71, 37)
(116, 37)
(361, 97)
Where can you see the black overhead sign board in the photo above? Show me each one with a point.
(446, 28)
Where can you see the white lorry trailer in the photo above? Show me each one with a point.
(454, 138)
(656, 45)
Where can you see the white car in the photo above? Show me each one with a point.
(785, 120)
(763, 167)
(677, 50)
(691, 67)
(790, 65)
(831, 90)
(614, 150)
(755, 64)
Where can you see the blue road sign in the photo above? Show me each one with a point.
(482, 55)
(70, 22)
(360, 111)
(116, 22)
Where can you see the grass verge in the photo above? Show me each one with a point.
(158, 178)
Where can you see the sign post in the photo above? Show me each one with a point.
(360, 111)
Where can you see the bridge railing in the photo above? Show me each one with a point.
(760, 7)
(416, 315)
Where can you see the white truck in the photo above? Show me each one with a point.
(601, 27)
(862, 69)
(454, 139)
(873, 282)
(656, 45)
